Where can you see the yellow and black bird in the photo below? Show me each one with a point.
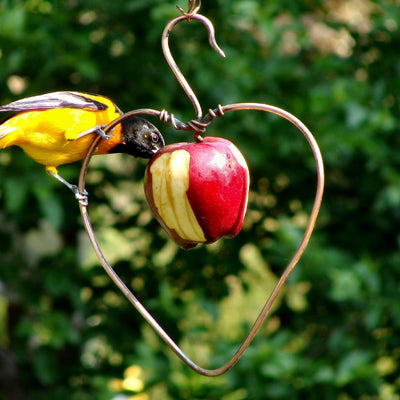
(58, 128)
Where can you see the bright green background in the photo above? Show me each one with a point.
(65, 330)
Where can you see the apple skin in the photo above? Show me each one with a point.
(198, 191)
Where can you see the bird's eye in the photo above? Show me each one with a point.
(155, 138)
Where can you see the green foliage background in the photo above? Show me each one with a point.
(65, 330)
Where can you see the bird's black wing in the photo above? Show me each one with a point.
(54, 100)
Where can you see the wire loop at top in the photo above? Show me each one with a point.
(194, 7)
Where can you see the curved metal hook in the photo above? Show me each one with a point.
(282, 280)
(170, 60)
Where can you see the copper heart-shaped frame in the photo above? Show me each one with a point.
(198, 126)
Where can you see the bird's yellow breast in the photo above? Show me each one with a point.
(52, 137)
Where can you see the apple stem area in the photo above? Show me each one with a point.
(197, 137)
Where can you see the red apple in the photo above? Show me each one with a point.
(198, 191)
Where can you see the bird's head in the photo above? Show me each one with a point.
(140, 138)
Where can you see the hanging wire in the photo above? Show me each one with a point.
(199, 125)
(188, 16)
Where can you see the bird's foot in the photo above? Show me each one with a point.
(82, 197)
(101, 132)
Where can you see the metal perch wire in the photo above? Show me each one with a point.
(199, 126)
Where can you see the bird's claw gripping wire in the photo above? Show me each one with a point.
(104, 135)
(82, 197)
(99, 130)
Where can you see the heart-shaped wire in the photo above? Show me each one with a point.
(199, 126)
